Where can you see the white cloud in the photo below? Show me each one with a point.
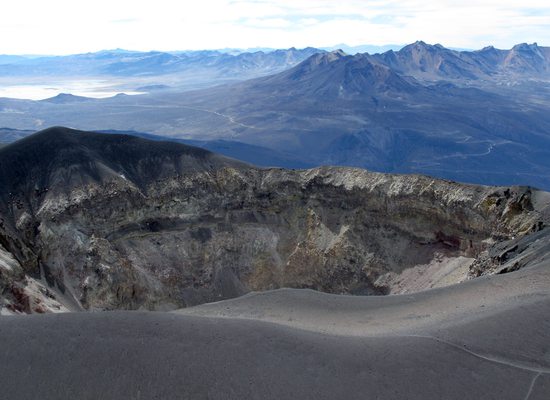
(267, 23)
(68, 26)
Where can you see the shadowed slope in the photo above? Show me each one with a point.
(63, 158)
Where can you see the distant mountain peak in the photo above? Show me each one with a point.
(421, 47)
(488, 48)
(420, 43)
(334, 55)
(328, 57)
(526, 57)
(316, 61)
(64, 98)
(337, 74)
(525, 46)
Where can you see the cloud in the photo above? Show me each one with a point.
(67, 26)
(268, 23)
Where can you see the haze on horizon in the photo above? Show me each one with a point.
(68, 27)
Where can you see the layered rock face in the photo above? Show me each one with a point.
(92, 221)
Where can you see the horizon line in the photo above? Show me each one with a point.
(258, 49)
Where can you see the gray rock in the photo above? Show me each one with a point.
(119, 222)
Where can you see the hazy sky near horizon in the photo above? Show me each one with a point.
(69, 26)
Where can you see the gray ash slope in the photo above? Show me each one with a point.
(486, 338)
(96, 221)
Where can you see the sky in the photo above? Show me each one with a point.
(71, 26)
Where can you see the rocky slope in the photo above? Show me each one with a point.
(93, 221)
(435, 62)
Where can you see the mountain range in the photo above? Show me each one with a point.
(472, 116)
(418, 59)
(150, 71)
(435, 62)
(130, 63)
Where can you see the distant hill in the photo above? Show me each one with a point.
(336, 74)
(66, 98)
(371, 49)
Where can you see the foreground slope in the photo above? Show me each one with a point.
(99, 221)
(487, 338)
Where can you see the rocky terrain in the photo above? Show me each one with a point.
(436, 63)
(455, 278)
(102, 222)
